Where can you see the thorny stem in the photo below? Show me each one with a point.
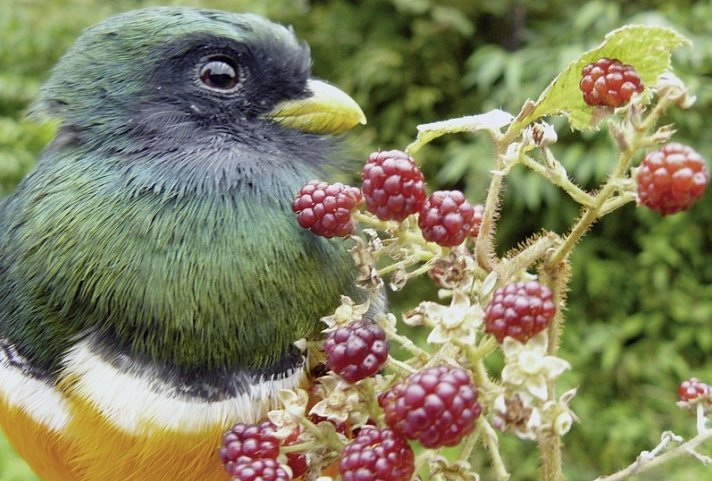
(491, 443)
(469, 445)
(645, 463)
(399, 367)
(556, 277)
(574, 191)
(593, 212)
(523, 259)
(405, 342)
(484, 248)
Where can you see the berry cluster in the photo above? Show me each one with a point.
(447, 218)
(356, 351)
(519, 310)
(377, 454)
(437, 406)
(249, 453)
(609, 82)
(394, 189)
(692, 389)
(671, 179)
(325, 208)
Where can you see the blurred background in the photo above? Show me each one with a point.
(640, 306)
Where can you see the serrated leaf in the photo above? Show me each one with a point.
(647, 48)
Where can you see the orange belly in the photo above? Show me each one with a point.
(98, 423)
(91, 449)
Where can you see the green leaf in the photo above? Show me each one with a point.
(647, 48)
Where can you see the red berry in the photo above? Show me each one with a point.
(296, 461)
(326, 208)
(393, 185)
(377, 455)
(519, 310)
(266, 469)
(477, 219)
(356, 350)
(609, 83)
(246, 442)
(692, 389)
(437, 406)
(339, 426)
(671, 179)
(446, 218)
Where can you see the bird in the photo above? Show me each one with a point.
(153, 279)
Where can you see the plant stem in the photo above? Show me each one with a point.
(643, 464)
(574, 191)
(399, 367)
(484, 247)
(491, 443)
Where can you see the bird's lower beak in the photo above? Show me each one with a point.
(327, 111)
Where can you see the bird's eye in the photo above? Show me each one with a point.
(220, 73)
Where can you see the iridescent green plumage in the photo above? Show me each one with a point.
(159, 218)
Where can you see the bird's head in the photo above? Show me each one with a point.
(161, 78)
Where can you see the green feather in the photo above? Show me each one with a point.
(173, 238)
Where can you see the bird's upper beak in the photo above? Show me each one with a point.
(327, 111)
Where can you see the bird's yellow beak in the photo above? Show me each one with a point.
(328, 111)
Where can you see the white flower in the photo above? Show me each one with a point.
(457, 322)
(528, 368)
(345, 313)
(294, 405)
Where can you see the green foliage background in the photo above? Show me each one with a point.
(641, 298)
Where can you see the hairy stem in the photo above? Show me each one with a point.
(646, 463)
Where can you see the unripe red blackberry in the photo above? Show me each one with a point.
(356, 350)
(446, 218)
(436, 406)
(266, 469)
(608, 82)
(296, 461)
(377, 455)
(325, 208)
(477, 219)
(671, 179)
(393, 185)
(692, 389)
(245, 442)
(519, 310)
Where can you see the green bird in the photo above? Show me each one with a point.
(153, 279)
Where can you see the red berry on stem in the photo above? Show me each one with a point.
(477, 219)
(437, 406)
(446, 218)
(692, 389)
(245, 442)
(296, 461)
(325, 208)
(671, 179)
(519, 310)
(356, 350)
(609, 82)
(377, 455)
(393, 185)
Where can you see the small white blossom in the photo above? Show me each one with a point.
(294, 405)
(528, 368)
(347, 312)
(457, 322)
